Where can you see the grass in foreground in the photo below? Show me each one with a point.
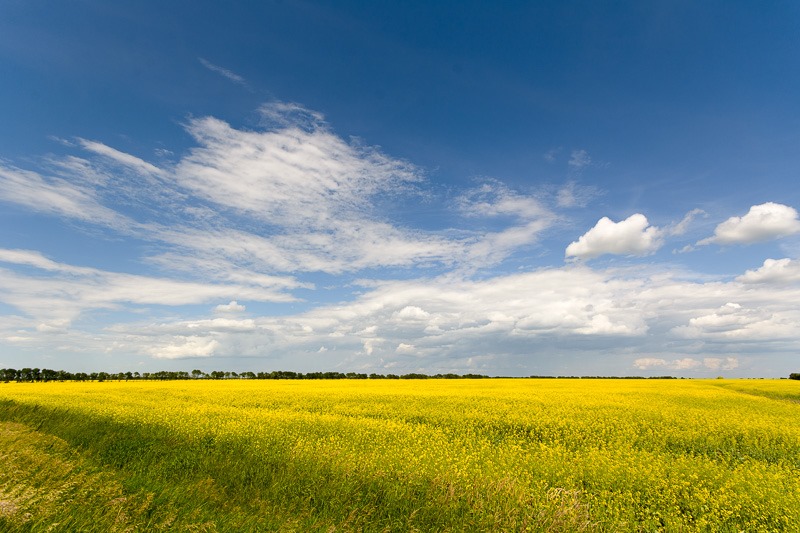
(516, 455)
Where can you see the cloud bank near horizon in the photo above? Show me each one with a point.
(253, 218)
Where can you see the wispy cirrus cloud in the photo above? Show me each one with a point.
(139, 165)
(62, 292)
(225, 73)
(238, 215)
(56, 196)
(247, 217)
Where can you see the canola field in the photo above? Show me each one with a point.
(401, 455)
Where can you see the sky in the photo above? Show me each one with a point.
(518, 188)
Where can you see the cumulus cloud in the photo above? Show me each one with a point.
(544, 313)
(686, 363)
(506, 322)
(733, 321)
(761, 223)
(721, 363)
(185, 347)
(404, 348)
(773, 271)
(632, 236)
(232, 307)
(412, 313)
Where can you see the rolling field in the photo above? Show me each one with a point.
(401, 455)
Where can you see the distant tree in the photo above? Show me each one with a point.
(794, 375)
(196, 374)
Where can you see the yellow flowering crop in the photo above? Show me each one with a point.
(503, 454)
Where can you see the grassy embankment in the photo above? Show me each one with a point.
(539, 455)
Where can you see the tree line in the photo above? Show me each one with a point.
(46, 374)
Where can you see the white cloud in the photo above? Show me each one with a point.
(574, 195)
(579, 159)
(238, 216)
(404, 348)
(232, 307)
(412, 313)
(773, 271)
(687, 363)
(721, 363)
(232, 76)
(288, 177)
(492, 199)
(37, 260)
(524, 319)
(66, 291)
(252, 204)
(681, 227)
(185, 347)
(632, 236)
(761, 223)
(312, 192)
(139, 165)
(277, 114)
(645, 363)
(55, 196)
(733, 321)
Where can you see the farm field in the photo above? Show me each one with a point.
(401, 455)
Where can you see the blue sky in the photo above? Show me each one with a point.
(536, 188)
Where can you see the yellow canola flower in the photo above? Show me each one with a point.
(680, 455)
